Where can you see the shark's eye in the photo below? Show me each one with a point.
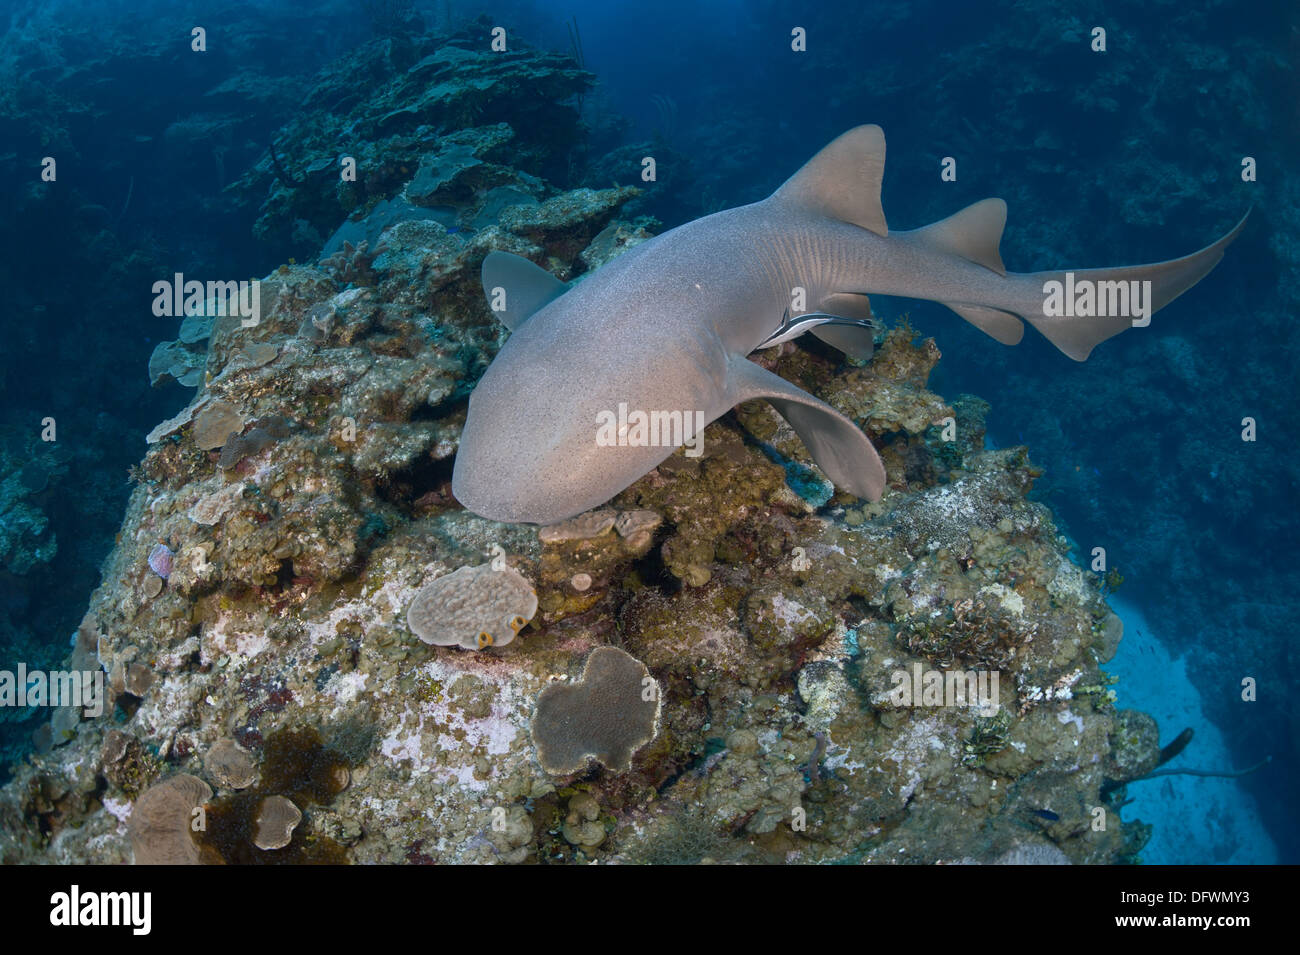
(484, 639)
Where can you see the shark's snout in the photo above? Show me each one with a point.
(517, 466)
(511, 468)
(497, 479)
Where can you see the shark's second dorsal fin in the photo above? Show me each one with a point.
(974, 233)
(516, 288)
(843, 180)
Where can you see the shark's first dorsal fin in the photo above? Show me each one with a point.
(524, 287)
(843, 180)
(974, 233)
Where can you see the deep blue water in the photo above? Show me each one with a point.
(1124, 156)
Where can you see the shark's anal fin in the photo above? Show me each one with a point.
(1001, 326)
(516, 288)
(843, 180)
(839, 447)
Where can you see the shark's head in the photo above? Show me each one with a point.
(560, 424)
(519, 467)
(533, 449)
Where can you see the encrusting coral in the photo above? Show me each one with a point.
(161, 823)
(607, 715)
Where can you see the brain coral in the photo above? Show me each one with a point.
(609, 714)
(474, 607)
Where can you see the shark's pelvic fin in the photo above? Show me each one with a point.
(526, 287)
(847, 305)
(974, 234)
(843, 180)
(1077, 336)
(839, 447)
(843, 320)
(855, 340)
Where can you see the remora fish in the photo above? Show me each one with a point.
(666, 327)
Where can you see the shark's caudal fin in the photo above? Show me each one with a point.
(1114, 298)
(1076, 334)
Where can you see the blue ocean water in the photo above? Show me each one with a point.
(1171, 447)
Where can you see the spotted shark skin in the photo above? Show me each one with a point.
(668, 325)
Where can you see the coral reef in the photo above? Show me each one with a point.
(27, 470)
(424, 134)
(769, 617)
(160, 823)
(274, 566)
(608, 714)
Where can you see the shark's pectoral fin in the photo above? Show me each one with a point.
(516, 288)
(843, 180)
(838, 446)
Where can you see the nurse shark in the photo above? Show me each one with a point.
(557, 424)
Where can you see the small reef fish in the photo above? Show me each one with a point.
(669, 325)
